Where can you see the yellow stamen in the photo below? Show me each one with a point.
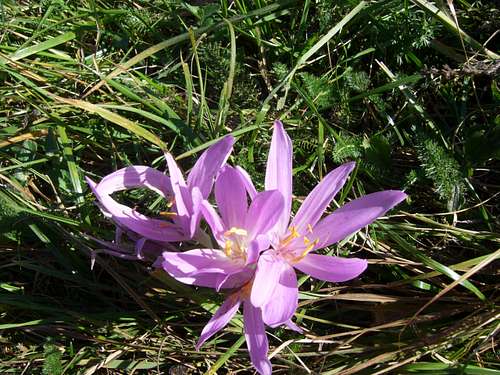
(293, 235)
(307, 250)
(309, 228)
(168, 213)
(228, 247)
(306, 240)
(234, 230)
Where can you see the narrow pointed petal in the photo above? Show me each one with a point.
(355, 215)
(255, 335)
(153, 229)
(202, 267)
(136, 176)
(252, 192)
(328, 268)
(178, 186)
(193, 261)
(231, 197)
(294, 327)
(284, 300)
(213, 219)
(220, 319)
(195, 218)
(175, 173)
(319, 199)
(266, 279)
(279, 171)
(264, 212)
(206, 168)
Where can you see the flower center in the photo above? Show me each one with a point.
(235, 244)
(289, 253)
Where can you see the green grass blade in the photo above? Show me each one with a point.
(114, 118)
(32, 50)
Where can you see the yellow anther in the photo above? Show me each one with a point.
(309, 248)
(170, 202)
(309, 228)
(293, 235)
(168, 213)
(293, 232)
(228, 247)
(234, 230)
(306, 240)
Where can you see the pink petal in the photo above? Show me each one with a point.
(214, 221)
(136, 176)
(153, 229)
(329, 268)
(231, 197)
(252, 192)
(319, 199)
(237, 279)
(263, 213)
(202, 267)
(255, 335)
(206, 168)
(355, 215)
(258, 245)
(207, 280)
(279, 171)
(178, 186)
(195, 218)
(266, 278)
(284, 300)
(220, 319)
(294, 327)
(192, 261)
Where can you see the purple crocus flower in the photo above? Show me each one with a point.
(275, 284)
(183, 220)
(241, 231)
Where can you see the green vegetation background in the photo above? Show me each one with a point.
(408, 89)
